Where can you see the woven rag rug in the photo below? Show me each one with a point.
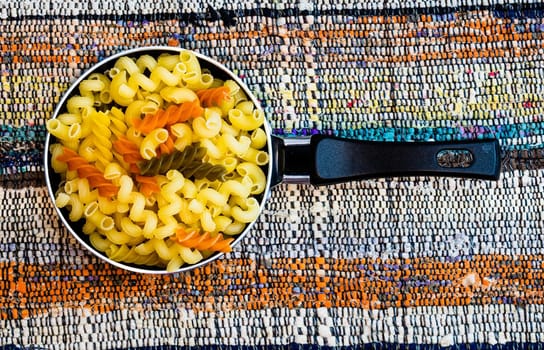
(405, 263)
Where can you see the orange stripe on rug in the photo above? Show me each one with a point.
(28, 290)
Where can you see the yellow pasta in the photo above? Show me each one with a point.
(85, 194)
(173, 202)
(138, 213)
(225, 106)
(196, 81)
(235, 188)
(134, 111)
(213, 150)
(255, 173)
(71, 201)
(233, 86)
(117, 119)
(137, 224)
(187, 216)
(208, 126)
(56, 150)
(258, 138)
(101, 134)
(86, 121)
(130, 228)
(207, 222)
(168, 61)
(189, 189)
(134, 135)
(99, 219)
(139, 80)
(212, 196)
(229, 163)
(255, 156)
(247, 214)
(113, 171)
(146, 62)
(69, 119)
(118, 237)
(71, 186)
(120, 92)
(237, 146)
(126, 254)
(234, 228)
(127, 64)
(89, 87)
(63, 131)
(103, 95)
(183, 134)
(190, 61)
(75, 104)
(178, 95)
(152, 103)
(98, 241)
(226, 128)
(165, 231)
(222, 222)
(242, 121)
(125, 189)
(246, 107)
(107, 206)
(169, 78)
(148, 148)
(71, 144)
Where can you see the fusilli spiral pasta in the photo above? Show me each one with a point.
(168, 146)
(213, 96)
(148, 185)
(174, 160)
(205, 241)
(128, 150)
(87, 171)
(188, 162)
(166, 117)
(201, 170)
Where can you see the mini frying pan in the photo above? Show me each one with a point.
(317, 160)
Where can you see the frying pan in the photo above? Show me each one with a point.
(316, 160)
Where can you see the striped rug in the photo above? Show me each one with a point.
(396, 263)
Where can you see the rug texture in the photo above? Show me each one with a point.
(403, 263)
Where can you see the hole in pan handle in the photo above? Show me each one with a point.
(324, 159)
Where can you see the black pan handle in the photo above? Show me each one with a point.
(324, 159)
(339, 160)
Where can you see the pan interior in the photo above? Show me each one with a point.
(54, 180)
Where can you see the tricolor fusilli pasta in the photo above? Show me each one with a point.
(160, 160)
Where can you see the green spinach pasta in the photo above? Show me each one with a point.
(189, 162)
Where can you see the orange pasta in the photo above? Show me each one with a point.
(151, 121)
(134, 168)
(205, 241)
(128, 150)
(148, 185)
(85, 170)
(168, 146)
(166, 117)
(213, 96)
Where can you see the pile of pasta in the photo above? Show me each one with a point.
(161, 160)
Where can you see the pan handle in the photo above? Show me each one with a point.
(338, 160)
(324, 159)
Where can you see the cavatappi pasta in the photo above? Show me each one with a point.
(160, 159)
